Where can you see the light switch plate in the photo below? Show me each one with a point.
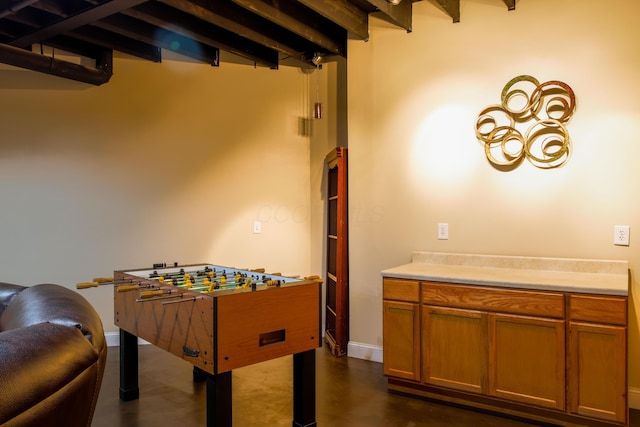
(443, 231)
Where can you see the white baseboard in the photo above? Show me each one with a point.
(356, 350)
(360, 350)
(633, 395)
(113, 339)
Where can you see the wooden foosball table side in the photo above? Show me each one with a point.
(184, 327)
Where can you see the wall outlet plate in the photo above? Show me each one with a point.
(621, 235)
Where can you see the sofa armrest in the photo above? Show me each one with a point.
(49, 375)
(7, 293)
(53, 304)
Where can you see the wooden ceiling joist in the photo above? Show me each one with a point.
(263, 32)
(159, 37)
(299, 20)
(75, 46)
(11, 7)
(113, 41)
(343, 13)
(452, 7)
(75, 21)
(398, 14)
(168, 18)
(233, 18)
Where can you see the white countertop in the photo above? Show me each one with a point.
(609, 277)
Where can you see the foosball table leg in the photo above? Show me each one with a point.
(219, 399)
(199, 375)
(304, 389)
(128, 366)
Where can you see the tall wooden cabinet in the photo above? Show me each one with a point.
(337, 261)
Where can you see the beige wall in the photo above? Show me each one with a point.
(174, 161)
(167, 162)
(415, 161)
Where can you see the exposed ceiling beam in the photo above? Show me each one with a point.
(263, 32)
(170, 19)
(56, 67)
(54, 7)
(75, 46)
(10, 7)
(159, 37)
(235, 19)
(398, 14)
(110, 40)
(343, 13)
(511, 4)
(452, 7)
(298, 19)
(72, 22)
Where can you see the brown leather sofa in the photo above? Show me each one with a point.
(52, 357)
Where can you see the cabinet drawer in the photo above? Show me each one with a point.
(546, 304)
(401, 290)
(598, 309)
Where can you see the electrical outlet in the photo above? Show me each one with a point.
(443, 231)
(621, 235)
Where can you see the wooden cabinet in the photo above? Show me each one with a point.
(527, 360)
(512, 356)
(549, 356)
(337, 277)
(597, 357)
(455, 348)
(401, 338)
(401, 329)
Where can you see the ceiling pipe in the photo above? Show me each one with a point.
(15, 6)
(56, 67)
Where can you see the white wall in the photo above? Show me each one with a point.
(415, 161)
(166, 162)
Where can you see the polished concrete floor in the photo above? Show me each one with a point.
(350, 392)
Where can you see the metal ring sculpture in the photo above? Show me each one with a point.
(544, 107)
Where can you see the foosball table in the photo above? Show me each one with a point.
(219, 319)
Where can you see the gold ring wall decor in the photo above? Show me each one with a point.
(543, 109)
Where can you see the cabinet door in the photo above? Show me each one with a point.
(401, 340)
(597, 371)
(527, 360)
(454, 348)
